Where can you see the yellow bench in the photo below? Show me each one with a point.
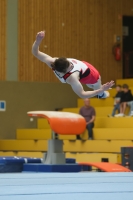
(22, 154)
(106, 122)
(95, 157)
(34, 134)
(67, 137)
(8, 153)
(69, 146)
(106, 134)
(23, 145)
(30, 154)
(113, 133)
(101, 146)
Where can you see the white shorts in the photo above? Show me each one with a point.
(95, 86)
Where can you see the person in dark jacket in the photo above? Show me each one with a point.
(126, 99)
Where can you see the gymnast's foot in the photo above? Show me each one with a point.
(104, 95)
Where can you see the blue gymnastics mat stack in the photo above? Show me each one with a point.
(70, 166)
(27, 164)
(15, 164)
(52, 168)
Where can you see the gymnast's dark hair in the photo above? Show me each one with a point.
(60, 65)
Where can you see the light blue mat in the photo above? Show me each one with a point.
(69, 186)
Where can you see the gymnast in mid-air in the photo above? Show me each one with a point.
(73, 72)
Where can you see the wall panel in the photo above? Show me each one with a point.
(22, 97)
(83, 29)
(2, 39)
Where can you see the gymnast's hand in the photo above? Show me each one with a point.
(40, 35)
(107, 86)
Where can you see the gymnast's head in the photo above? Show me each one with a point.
(61, 65)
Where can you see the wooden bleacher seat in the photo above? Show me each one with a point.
(108, 134)
(95, 157)
(23, 145)
(105, 134)
(38, 154)
(34, 134)
(94, 146)
(8, 153)
(67, 137)
(32, 154)
(113, 133)
(106, 122)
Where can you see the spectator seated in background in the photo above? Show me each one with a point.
(126, 100)
(117, 99)
(88, 112)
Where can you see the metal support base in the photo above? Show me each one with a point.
(55, 154)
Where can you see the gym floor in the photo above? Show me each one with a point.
(68, 186)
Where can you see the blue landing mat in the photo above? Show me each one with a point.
(52, 168)
(70, 186)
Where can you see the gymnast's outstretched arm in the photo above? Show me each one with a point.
(38, 54)
(78, 88)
